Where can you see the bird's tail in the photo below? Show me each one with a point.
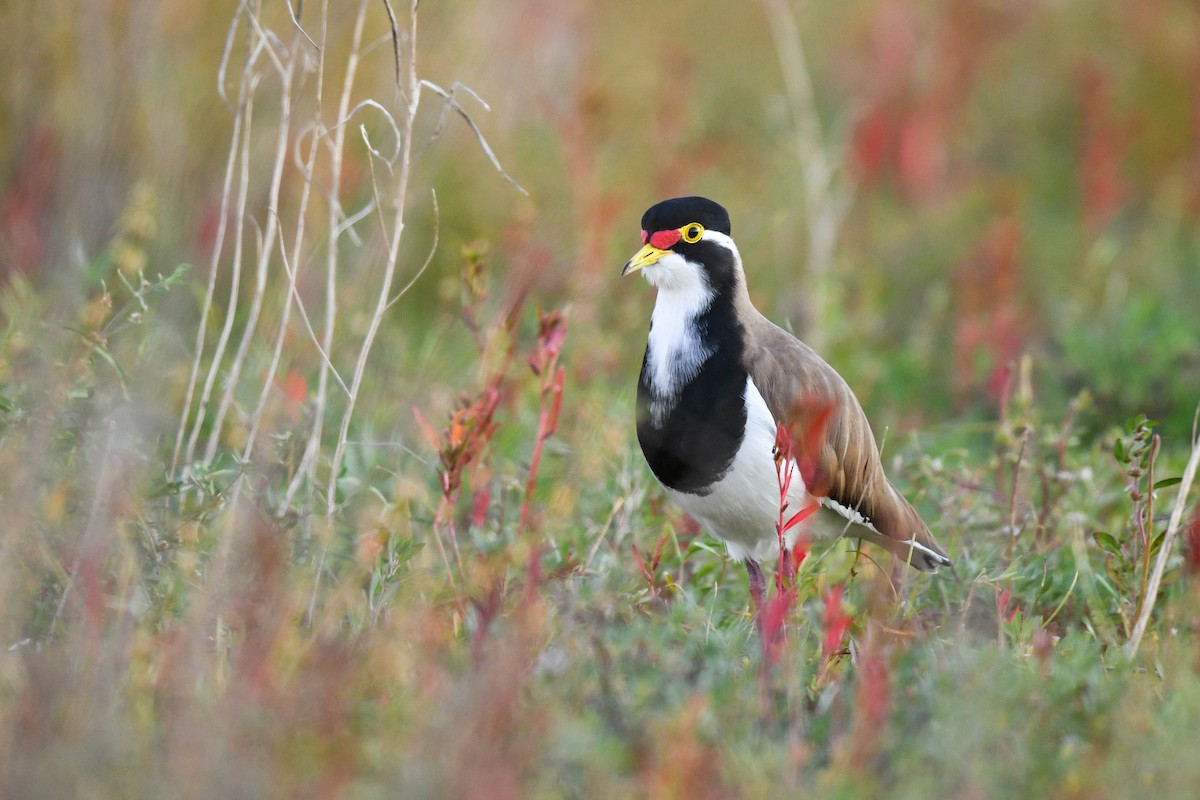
(918, 550)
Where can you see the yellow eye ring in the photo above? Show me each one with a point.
(692, 232)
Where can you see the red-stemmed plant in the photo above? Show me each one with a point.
(552, 330)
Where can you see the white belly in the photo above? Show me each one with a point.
(743, 507)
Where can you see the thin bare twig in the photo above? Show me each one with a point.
(295, 15)
(319, 133)
(462, 112)
(399, 200)
(347, 224)
(226, 53)
(238, 149)
(305, 472)
(235, 282)
(266, 251)
(210, 291)
(447, 108)
(297, 249)
(437, 225)
(269, 40)
(295, 294)
(387, 4)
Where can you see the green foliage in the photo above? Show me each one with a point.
(500, 601)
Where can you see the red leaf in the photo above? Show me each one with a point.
(1003, 598)
(430, 435)
(800, 516)
(481, 501)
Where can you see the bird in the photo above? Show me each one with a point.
(718, 379)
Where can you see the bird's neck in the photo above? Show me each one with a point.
(689, 326)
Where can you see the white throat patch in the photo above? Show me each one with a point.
(675, 353)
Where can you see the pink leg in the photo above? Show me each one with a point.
(758, 584)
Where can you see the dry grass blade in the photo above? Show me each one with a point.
(395, 29)
(1164, 552)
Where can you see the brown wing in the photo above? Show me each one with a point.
(805, 392)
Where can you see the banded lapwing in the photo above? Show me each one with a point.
(716, 380)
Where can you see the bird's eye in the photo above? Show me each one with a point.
(692, 232)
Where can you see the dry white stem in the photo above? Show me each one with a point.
(451, 103)
(1164, 551)
(446, 107)
(295, 295)
(368, 103)
(226, 52)
(305, 472)
(297, 250)
(209, 292)
(270, 41)
(347, 224)
(276, 354)
(319, 133)
(249, 84)
(237, 146)
(262, 267)
(317, 154)
(826, 200)
(399, 202)
(395, 31)
(235, 278)
(309, 39)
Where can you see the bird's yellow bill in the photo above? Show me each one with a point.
(643, 258)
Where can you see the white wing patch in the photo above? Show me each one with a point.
(847, 513)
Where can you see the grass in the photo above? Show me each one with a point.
(408, 546)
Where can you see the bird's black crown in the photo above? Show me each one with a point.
(679, 211)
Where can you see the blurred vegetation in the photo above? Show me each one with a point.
(488, 595)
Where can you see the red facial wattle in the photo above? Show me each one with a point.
(663, 240)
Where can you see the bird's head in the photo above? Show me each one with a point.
(686, 244)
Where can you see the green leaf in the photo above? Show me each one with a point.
(1107, 542)
(1165, 482)
(1119, 450)
(701, 544)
